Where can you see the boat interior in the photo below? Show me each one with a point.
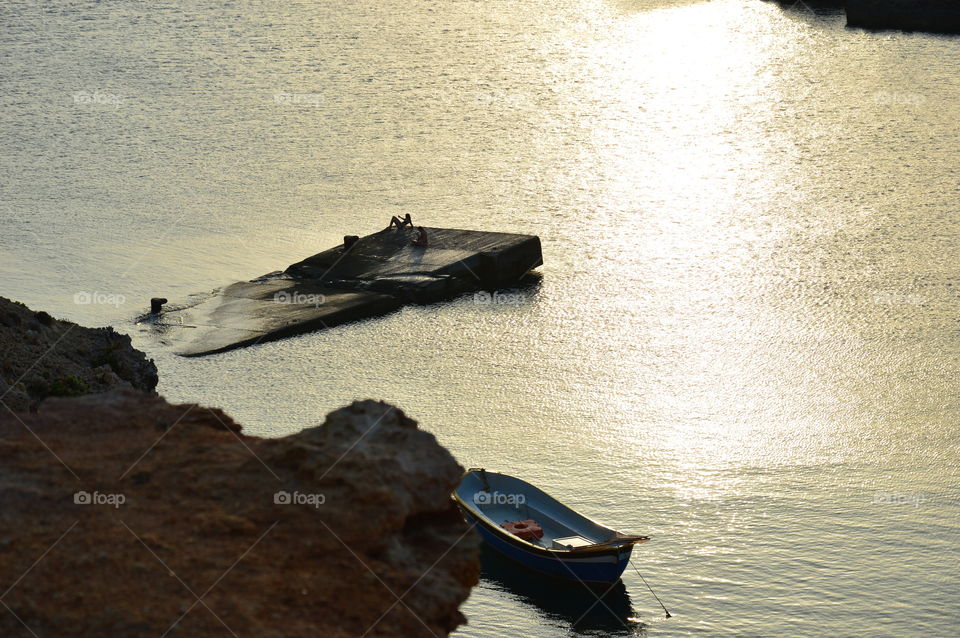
(506, 499)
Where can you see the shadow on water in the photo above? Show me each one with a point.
(588, 612)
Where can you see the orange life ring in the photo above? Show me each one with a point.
(527, 530)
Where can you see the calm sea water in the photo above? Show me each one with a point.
(745, 339)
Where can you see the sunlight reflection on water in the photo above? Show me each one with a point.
(744, 342)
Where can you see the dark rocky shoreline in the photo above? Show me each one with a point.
(133, 516)
(46, 357)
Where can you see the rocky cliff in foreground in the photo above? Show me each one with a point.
(43, 357)
(124, 515)
(936, 16)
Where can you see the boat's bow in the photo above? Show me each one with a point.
(622, 540)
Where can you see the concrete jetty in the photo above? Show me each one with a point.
(362, 278)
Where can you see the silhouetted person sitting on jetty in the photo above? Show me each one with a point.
(421, 240)
(400, 223)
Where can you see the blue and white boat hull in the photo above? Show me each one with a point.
(592, 570)
(488, 500)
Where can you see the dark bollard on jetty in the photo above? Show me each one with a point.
(362, 278)
(156, 305)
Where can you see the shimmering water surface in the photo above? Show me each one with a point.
(745, 339)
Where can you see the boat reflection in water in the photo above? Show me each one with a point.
(588, 611)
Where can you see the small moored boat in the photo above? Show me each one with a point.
(535, 529)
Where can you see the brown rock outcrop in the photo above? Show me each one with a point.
(124, 515)
(43, 356)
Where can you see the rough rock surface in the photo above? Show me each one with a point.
(43, 357)
(183, 506)
(936, 16)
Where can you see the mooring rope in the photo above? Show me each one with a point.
(650, 588)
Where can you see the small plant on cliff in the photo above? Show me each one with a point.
(44, 318)
(109, 357)
(67, 387)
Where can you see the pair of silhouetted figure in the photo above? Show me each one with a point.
(421, 240)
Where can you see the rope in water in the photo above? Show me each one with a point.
(650, 588)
